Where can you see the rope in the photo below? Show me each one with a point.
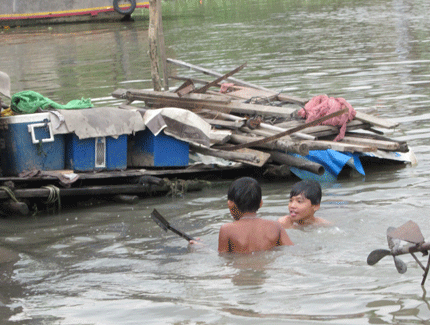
(54, 195)
(9, 192)
(177, 187)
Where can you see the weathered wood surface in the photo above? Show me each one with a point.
(295, 147)
(217, 136)
(217, 81)
(288, 132)
(343, 147)
(100, 190)
(239, 82)
(106, 175)
(270, 95)
(286, 159)
(158, 99)
(376, 121)
(379, 144)
(250, 157)
(153, 32)
(233, 125)
(324, 130)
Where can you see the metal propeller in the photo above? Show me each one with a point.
(409, 232)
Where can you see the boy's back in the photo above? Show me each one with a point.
(248, 235)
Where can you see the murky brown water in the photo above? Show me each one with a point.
(113, 265)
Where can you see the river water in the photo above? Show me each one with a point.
(112, 264)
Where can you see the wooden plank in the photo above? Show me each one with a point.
(379, 144)
(185, 88)
(263, 157)
(383, 123)
(217, 136)
(200, 101)
(233, 125)
(403, 144)
(142, 94)
(325, 130)
(249, 157)
(288, 132)
(342, 147)
(288, 146)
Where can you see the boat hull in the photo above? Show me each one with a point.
(23, 13)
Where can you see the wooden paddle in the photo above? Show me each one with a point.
(165, 225)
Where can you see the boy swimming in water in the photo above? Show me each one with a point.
(305, 200)
(248, 233)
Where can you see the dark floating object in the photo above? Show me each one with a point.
(411, 233)
(165, 225)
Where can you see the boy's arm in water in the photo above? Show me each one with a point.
(284, 238)
(223, 240)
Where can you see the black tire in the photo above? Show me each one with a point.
(126, 11)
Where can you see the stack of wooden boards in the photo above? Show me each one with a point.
(260, 127)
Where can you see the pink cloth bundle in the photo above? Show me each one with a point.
(323, 105)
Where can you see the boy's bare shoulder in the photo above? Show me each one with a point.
(285, 221)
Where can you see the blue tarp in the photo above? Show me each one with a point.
(333, 162)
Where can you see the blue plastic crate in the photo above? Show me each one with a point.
(147, 150)
(103, 153)
(30, 144)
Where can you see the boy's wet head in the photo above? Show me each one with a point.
(245, 193)
(310, 190)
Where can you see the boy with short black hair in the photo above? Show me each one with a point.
(248, 233)
(305, 200)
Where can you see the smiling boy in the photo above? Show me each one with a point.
(305, 200)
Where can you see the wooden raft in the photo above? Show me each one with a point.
(256, 118)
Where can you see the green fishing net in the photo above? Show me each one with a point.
(30, 101)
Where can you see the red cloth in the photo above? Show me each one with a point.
(323, 105)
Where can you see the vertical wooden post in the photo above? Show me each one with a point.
(162, 48)
(152, 36)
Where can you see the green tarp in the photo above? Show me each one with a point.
(30, 101)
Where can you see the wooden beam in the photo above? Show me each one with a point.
(200, 101)
(236, 81)
(251, 157)
(285, 159)
(374, 120)
(216, 81)
(379, 144)
(153, 46)
(288, 132)
(342, 147)
(297, 147)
